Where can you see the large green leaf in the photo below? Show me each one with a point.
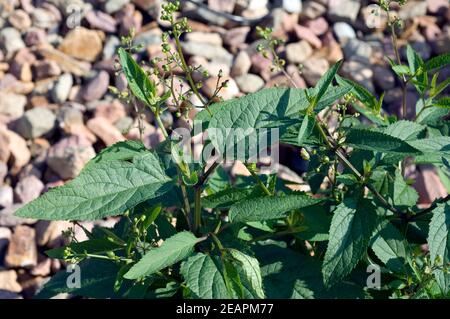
(438, 62)
(325, 81)
(173, 250)
(351, 228)
(138, 81)
(439, 243)
(388, 245)
(266, 208)
(405, 130)
(438, 145)
(402, 193)
(306, 129)
(225, 198)
(106, 189)
(377, 141)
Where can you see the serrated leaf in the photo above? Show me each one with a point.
(173, 250)
(433, 145)
(403, 194)
(106, 189)
(388, 245)
(401, 69)
(431, 115)
(306, 129)
(443, 102)
(361, 93)
(438, 62)
(138, 81)
(351, 228)
(325, 81)
(266, 208)
(377, 141)
(439, 244)
(414, 59)
(405, 130)
(225, 198)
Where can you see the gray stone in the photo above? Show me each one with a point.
(313, 69)
(12, 105)
(413, 9)
(343, 10)
(61, 89)
(383, 78)
(112, 6)
(242, 64)
(313, 9)
(292, 6)
(124, 124)
(298, 52)
(96, 87)
(100, 20)
(6, 196)
(249, 83)
(8, 219)
(44, 19)
(357, 50)
(5, 294)
(36, 122)
(3, 171)
(148, 38)
(359, 72)
(28, 188)
(110, 47)
(208, 51)
(11, 41)
(343, 30)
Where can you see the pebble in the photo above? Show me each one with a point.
(45, 69)
(8, 281)
(5, 236)
(298, 52)
(110, 47)
(313, 69)
(20, 20)
(235, 38)
(96, 87)
(22, 250)
(211, 52)
(313, 9)
(100, 20)
(20, 154)
(343, 10)
(12, 105)
(357, 50)
(204, 37)
(242, 64)
(112, 111)
(383, 78)
(359, 72)
(44, 19)
(62, 87)
(69, 155)
(6, 196)
(112, 6)
(28, 188)
(65, 62)
(249, 83)
(11, 41)
(413, 9)
(292, 6)
(36, 122)
(104, 130)
(227, 93)
(3, 166)
(83, 44)
(343, 31)
(49, 232)
(318, 26)
(304, 33)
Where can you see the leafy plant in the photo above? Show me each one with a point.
(188, 230)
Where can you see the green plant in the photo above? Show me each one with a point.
(188, 230)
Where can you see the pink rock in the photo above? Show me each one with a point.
(100, 20)
(28, 188)
(261, 65)
(222, 5)
(128, 19)
(226, 93)
(437, 6)
(19, 150)
(318, 26)
(429, 185)
(307, 34)
(107, 132)
(96, 87)
(112, 111)
(22, 250)
(235, 38)
(45, 69)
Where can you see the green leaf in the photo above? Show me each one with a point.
(377, 141)
(361, 93)
(325, 81)
(388, 245)
(351, 227)
(405, 130)
(438, 62)
(173, 250)
(226, 198)
(106, 189)
(401, 69)
(402, 193)
(433, 145)
(347, 179)
(138, 81)
(439, 244)
(306, 129)
(443, 102)
(414, 59)
(266, 208)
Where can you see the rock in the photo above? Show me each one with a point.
(20, 153)
(313, 69)
(22, 250)
(35, 36)
(298, 52)
(204, 37)
(222, 5)
(413, 9)
(20, 20)
(304, 33)
(12, 105)
(83, 44)
(70, 120)
(69, 155)
(249, 83)
(318, 26)
(4, 154)
(383, 78)
(11, 41)
(437, 7)
(36, 122)
(4, 294)
(28, 188)
(45, 69)
(112, 6)
(6, 196)
(124, 124)
(359, 72)
(3, 168)
(343, 31)
(44, 19)
(442, 43)
(292, 6)
(8, 281)
(429, 185)
(242, 64)
(49, 232)
(110, 47)
(96, 87)
(65, 62)
(343, 10)
(61, 89)
(43, 268)
(100, 20)
(112, 111)
(235, 37)
(148, 38)
(8, 219)
(211, 52)
(106, 131)
(226, 93)
(5, 236)
(357, 50)
(313, 9)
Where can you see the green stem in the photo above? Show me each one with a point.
(216, 241)
(260, 182)
(198, 209)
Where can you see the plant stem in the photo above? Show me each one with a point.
(288, 231)
(429, 209)
(160, 124)
(216, 241)
(197, 208)
(260, 182)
